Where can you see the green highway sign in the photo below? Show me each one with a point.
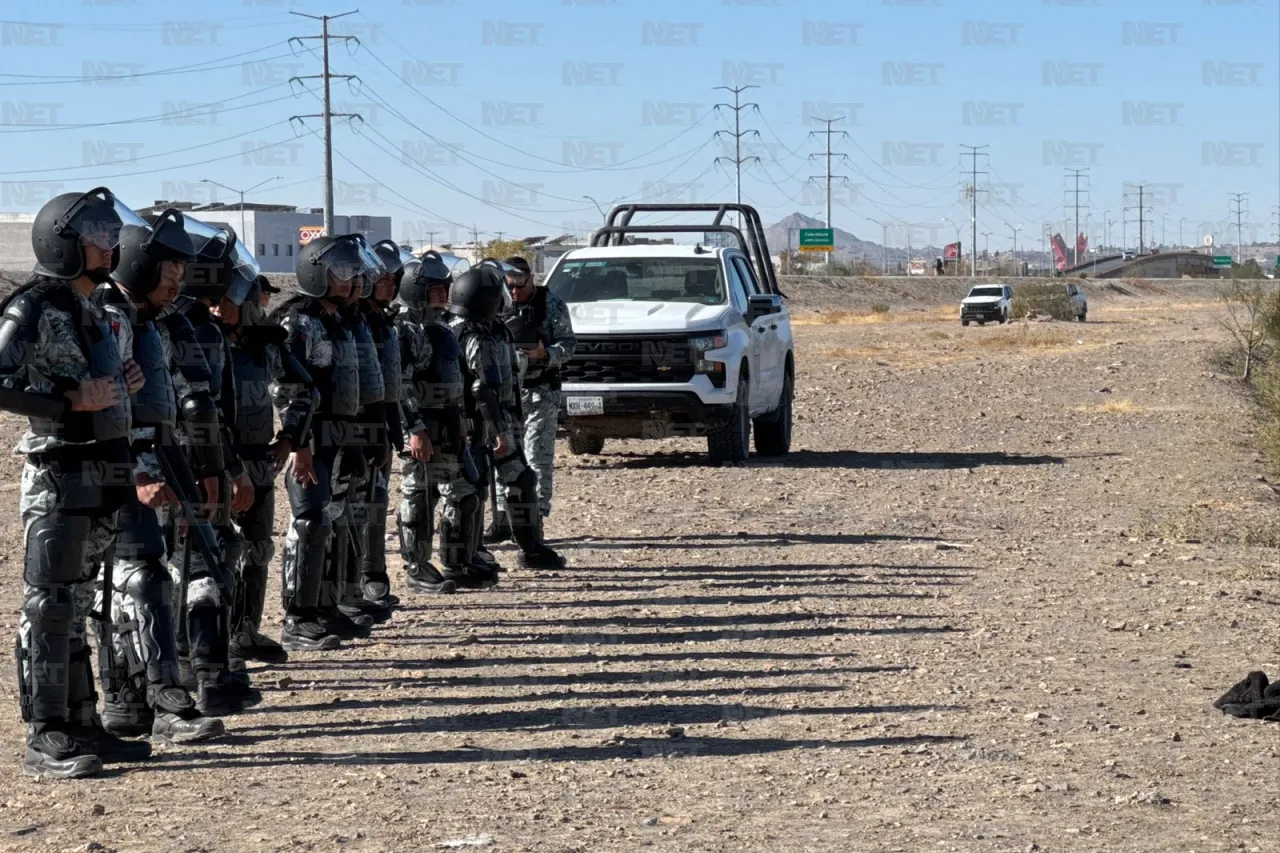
(1222, 260)
(817, 239)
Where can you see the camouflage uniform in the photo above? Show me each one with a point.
(432, 405)
(78, 474)
(540, 390)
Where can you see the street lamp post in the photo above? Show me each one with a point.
(242, 195)
(1164, 221)
(986, 257)
(597, 204)
(1106, 228)
(1181, 219)
(1016, 264)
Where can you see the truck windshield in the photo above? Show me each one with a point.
(987, 291)
(696, 280)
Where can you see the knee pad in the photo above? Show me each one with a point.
(56, 549)
(149, 585)
(313, 532)
(258, 553)
(49, 609)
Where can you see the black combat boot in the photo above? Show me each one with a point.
(179, 721)
(54, 752)
(303, 632)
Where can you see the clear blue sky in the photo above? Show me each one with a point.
(1182, 95)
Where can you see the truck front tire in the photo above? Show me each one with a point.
(731, 443)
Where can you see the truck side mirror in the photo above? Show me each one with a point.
(760, 304)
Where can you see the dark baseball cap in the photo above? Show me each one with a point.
(519, 264)
(267, 286)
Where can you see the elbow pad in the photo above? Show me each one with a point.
(204, 434)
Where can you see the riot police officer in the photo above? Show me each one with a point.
(140, 672)
(380, 313)
(493, 404)
(540, 325)
(61, 368)
(436, 453)
(219, 280)
(327, 269)
(366, 453)
(267, 376)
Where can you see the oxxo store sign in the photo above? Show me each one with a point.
(307, 233)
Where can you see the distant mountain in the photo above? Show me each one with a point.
(783, 233)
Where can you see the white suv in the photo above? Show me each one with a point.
(677, 340)
(987, 302)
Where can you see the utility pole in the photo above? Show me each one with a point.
(1142, 219)
(1076, 173)
(737, 159)
(973, 151)
(328, 115)
(1239, 200)
(828, 122)
(986, 258)
(1275, 214)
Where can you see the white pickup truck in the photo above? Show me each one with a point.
(675, 339)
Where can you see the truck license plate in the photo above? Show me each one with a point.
(585, 405)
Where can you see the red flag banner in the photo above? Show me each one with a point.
(951, 251)
(1082, 243)
(1059, 252)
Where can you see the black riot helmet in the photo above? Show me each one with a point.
(59, 227)
(422, 275)
(339, 256)
(144, 246)
(477, 293)
(395, 260)
(208, 276)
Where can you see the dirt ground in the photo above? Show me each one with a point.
(985, 605)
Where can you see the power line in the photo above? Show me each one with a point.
(147, 156)
(194, 68)
(177, 116)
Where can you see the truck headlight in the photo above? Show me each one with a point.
(704, 344)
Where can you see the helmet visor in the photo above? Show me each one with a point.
(98, 216)
(342, 259)
(206, 241)
(244, 273)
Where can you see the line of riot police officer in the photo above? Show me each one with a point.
(152, 378)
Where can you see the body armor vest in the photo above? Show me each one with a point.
(255, 412)
(101, 355)
(156, 403)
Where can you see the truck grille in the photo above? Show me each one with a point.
(620, 359)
